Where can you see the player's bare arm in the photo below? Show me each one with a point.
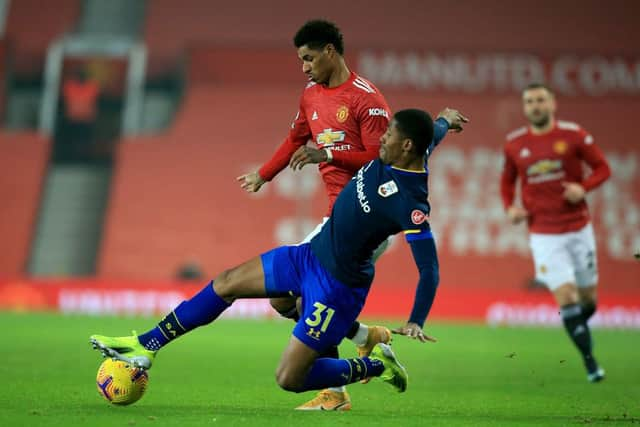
(413, 330)
(305, 155)
(573, 192)
(251, 182)
(455, 119)
(517, 214)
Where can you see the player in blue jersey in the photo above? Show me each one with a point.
(332, 273)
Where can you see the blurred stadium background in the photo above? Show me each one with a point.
(125, 123)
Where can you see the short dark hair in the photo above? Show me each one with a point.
(417, 125)
(318, 33)
(537, 85)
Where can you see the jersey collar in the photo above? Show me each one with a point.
(406, 171)
(352, 77)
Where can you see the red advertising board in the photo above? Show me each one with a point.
(493, 307)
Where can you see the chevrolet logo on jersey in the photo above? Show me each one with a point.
(544, 167)
(328, 137)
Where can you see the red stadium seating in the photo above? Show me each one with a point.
(32, 25)
(172, 195)
(23, 160)
(172, 27)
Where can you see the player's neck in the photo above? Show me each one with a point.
(539, 130)
(340, 75)
(409, 164)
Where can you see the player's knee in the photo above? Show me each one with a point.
(289, 381)
(566, 293)
(589, 308)
(224, 286)
(286, 307)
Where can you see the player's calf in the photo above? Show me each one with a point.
(324, 372)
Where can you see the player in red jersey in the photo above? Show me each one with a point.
(344, 115)
(547, 157)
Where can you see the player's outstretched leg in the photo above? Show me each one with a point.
(243, 281)
(140, 351)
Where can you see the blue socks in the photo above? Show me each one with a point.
(201, 309)
(327, 372)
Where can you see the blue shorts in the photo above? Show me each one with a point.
(329, 307)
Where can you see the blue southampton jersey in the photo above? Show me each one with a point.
(378, 202)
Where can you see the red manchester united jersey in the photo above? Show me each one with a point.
(543, 162)
(348, 120)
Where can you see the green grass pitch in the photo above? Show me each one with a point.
(223, 375)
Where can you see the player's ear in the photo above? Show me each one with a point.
(330, 49)
(407, 145)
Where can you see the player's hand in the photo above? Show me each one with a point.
(305, 155)
(573, 192)
(517, 214)
(413, 330)
(454, 118)
(251, 182)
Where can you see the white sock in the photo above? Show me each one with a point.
(360, 338)
(340, 389)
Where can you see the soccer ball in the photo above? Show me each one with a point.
(120, 383)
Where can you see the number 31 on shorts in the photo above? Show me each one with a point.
(322, 314)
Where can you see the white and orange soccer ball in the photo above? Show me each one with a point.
(120, 383)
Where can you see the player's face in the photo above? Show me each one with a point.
(392, 144)
(539, 106)
(316, 63)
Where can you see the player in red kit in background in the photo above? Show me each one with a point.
(547, 157)
(344, 115)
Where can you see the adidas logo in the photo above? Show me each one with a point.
(525, 152)
(314, 116)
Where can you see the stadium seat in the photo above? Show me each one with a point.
(23, 164)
